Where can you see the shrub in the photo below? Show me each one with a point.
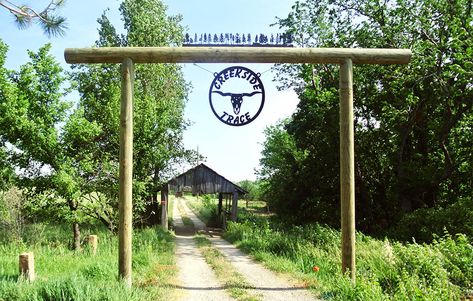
(426, 223)
(385, 270)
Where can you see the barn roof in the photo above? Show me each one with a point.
(203, 179)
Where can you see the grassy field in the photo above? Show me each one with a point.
(63, 274)
(386, 270)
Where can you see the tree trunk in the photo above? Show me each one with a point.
(75, 226)
(76, 230)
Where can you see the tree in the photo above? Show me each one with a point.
(52, 24)
(280, 167)
(6, 88)
(159, 98)
(409, 153)
(253, 188)
(51, 161)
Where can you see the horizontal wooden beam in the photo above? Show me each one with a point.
(236, 55)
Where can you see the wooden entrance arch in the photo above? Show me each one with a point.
(144, 55)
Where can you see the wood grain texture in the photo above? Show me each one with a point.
(164, 206)
(234, 206)
(126, 172)
(26, 266)
(236, 55)
(92, 241)
(347, 169)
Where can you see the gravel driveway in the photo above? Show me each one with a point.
(199, 282)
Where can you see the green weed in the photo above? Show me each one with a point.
(66, 275)
(385, 270)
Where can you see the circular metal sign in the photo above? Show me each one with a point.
(236, 95)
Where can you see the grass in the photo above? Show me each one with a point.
(185, 219)
(63, 274)
(205, 207)
(234, 282)
(386, 270)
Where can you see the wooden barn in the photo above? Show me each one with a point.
(204, 180)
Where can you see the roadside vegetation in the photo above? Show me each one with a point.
(64, 274)
(205, 207)
(386, 269)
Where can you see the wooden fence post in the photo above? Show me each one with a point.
(92, 242)
(126, 172)
(164, 206)
(26, 266)
(347, 169)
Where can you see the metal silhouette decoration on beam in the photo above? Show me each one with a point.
(236, 40)
(238, 83)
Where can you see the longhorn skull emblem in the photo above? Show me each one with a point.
(237, 99)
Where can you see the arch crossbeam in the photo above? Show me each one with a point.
(147, 55)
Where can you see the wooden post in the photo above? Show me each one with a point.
(224, 222)
(347, 168)
(126, 172)
(220, 203)
(234, 206)
(26, 266)
(164, 207)
(92, 242)
(149, 55)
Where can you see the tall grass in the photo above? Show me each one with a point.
(205, 207)
(386, 270)
(63, 274)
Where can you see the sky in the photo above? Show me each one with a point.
(234, 152)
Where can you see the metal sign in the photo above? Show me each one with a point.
(236, 95)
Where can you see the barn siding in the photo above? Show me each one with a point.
(202, 179)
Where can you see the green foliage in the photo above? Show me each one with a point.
(253, 188)
(66, 275)
(159, 98)
(385, 270)
(412, 122)
(11, 216)
(49, 141)
(51, 23)
(205, 207)
(426, 223)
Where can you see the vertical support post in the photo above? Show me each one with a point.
(220, 203)
(164, 207)
(126, 172)
(347, 168)
(221, 217)
(92, 242)
(234, 206)
(26, 266)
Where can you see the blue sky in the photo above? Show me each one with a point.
(232, 151)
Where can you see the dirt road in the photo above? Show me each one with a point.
(198, 280)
